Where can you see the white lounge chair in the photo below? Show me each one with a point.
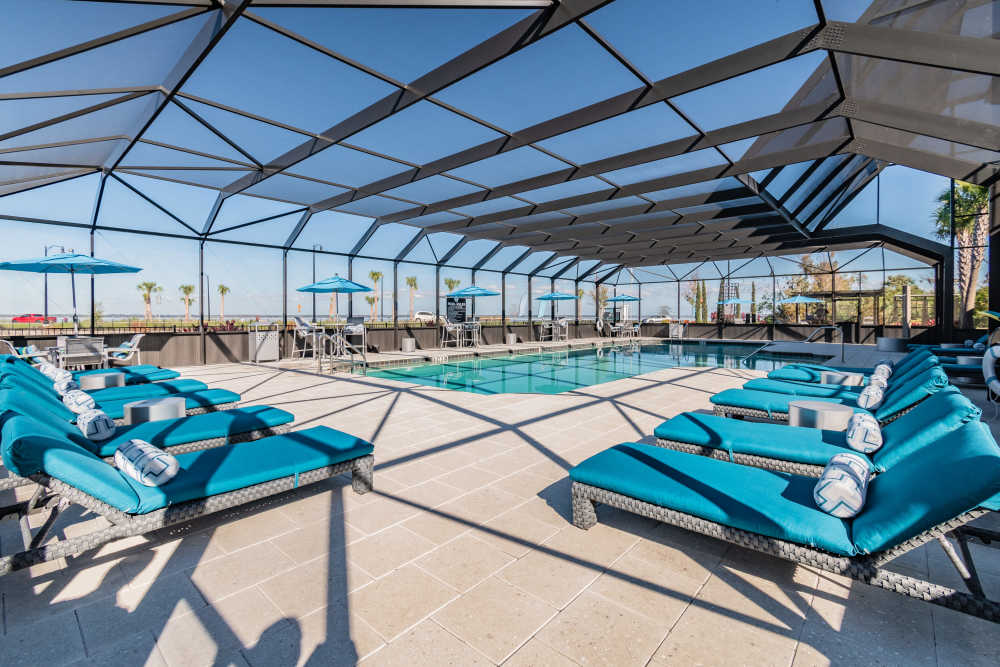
(124, 352)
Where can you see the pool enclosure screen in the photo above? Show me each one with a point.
(693, 152)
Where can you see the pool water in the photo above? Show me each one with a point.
(566, 370)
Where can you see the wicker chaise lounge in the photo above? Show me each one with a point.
(899, 397)
(804, 389)
(926, 497)
(175, 436)
(814, 372)
(805, 451)
(209, 481)
(195, 402)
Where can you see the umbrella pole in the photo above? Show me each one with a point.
(76, 321)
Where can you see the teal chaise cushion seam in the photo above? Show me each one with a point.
(213, 471)
(803, 388)
(959, 472)
(761, 501)
(199, 399)
(170, 432)
(29, 447)
(774, 441)
(135, 374)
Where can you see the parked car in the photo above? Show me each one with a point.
(423, 316)
(33, 318)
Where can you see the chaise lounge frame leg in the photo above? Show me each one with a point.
(362, 474)
(963, 564)
(584, 510)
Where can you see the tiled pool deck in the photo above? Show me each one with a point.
(464, 555)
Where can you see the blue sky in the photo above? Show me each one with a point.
(541, 81)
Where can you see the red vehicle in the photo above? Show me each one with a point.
(33, 318)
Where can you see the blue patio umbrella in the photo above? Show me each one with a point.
(71, 263)
(733, 302)
(556, 296)
(800, 299)
(334, 284)
(622, 298)
(471, 292)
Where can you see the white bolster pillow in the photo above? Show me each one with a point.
(863, 433)
(146, 464)
(96, 425)
(842, 487)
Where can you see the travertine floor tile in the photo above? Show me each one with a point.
(427, 644)
(385, 551)
(495, 617)
(464, 562)
(595, 631)
(224, 576)
(314, 585)
(399, 600)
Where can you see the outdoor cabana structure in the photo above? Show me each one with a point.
(708, 163)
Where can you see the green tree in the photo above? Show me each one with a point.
(692, 295)
(704, 302)
(186, 292)
(371, 302)
(972, 229)
(452, 283)
(147, 289)
(753, 301)
(601, 296)
(411, 282)
(223, 291)
(376, 277)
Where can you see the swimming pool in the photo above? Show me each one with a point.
(566, 370)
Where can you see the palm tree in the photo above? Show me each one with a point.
(223, 291)
(452, 283)
(371, 302)
(147, 289)
(411, 282)
(375, 277)
(972, 230)
(186, 292)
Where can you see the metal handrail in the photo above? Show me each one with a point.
(826, 327)
(762, 347)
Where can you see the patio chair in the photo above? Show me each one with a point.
(355, 329)
(898, 399)
(209, 481)
(928, 496)
(814, 372)
(26, 353)
(175, 436)
(562, 330)
(124, 352)
(805, 451)
(304, 339)
(453, 333)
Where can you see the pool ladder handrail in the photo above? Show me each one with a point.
(826, 327)
(744, 360)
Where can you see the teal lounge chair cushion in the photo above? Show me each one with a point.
(162, 433)
(813, 372)
(135, 374)
(151, 390)
(761, 501)
(198, 399)
(803, 388)
(940, 414)
(770, 402)
(171, 432)
(222, 469)
(29, 447)
(958, 473)
(774, 441)
(904, 394)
